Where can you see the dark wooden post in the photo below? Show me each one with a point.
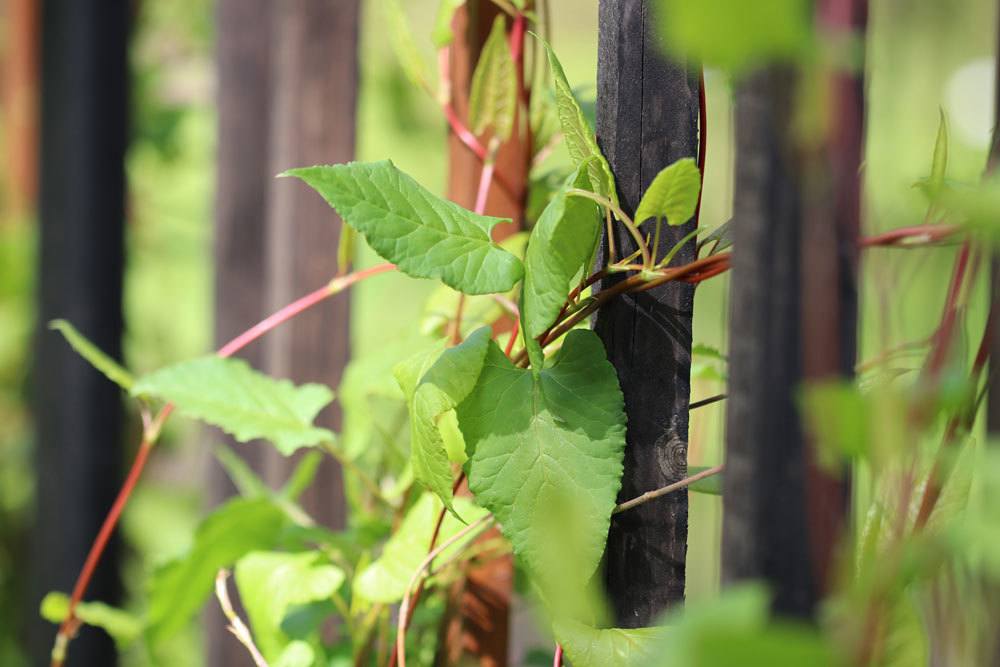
(78, 413)
(647, 110)
(794, 314)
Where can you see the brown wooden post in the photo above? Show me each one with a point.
(78, 413)
(243, 177)
(20, 104)
(315, 79)
(287, 96)
(794, 315)
(647, 111)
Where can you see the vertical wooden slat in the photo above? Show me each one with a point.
(647, 110)
(794, 319)
(315, 76)
(20, 104)
(764, 534)
(243, 178)
(78, 413)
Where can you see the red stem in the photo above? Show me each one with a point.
(71, 623)
(910, 235)
(557, 659)
(513, 337)
(942, 339)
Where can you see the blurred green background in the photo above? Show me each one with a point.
(922, 57)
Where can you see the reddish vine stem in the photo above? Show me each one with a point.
(910, 236)
(70, 625)
(669, 488)
(557, 659)
(420, 586)
(943, 336)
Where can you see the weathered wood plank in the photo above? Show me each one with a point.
(647, 110)
(78, 413)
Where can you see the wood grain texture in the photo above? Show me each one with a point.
(78, 413)
(647, 110)
(315, 80)
(243, 177)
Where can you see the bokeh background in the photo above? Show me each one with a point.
(923, 58)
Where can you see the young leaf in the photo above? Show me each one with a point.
(577, 133)
(589, 647)
(442, 387)
(442, 34)
(560, 246)
(90, 352)
(297, 654)
(673, 194)
(270, 582)
(734, 34)
(939, 163)
(709, 485)
(386, 579)
(493, 99)
(121, 625)
(180, 587)
(424, 235)
(401, 40)
(545, 445)
(244, 403)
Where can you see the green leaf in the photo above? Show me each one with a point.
(94, 356)
(244, 403)
(734, 629)
(615, 647)
(442, 35)
(939, 163)
(442, 387)
(579, 137)
(296, 654)
(270, 582)
(709, 485)
(560, 246)
(122, 626)
(386, 579)
(547, 452)
(673, 194)
(493, 99)
(840, 418)
(180, 587)
(424, 235)
(401, 40)
(734, 34)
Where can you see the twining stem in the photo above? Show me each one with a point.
(910, 236)
(707, 401)
(420, 587)
(70, 625)
(335, 286)
(623, 217)
(696, 271)
(669, 488)
(236, 624)
(404, 609)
